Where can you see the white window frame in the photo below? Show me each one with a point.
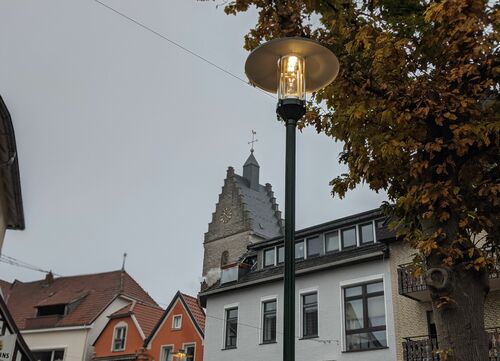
(224, 317)
(355, 282)
(275, 257)
(338, 240)
(261, 322)
(193, 343)
(119, 325)
(174, 317)
(302, 292)
(162, 351)
(374, 230)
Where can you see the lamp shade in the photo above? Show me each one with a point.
(262, 66)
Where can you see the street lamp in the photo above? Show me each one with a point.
(291, 67)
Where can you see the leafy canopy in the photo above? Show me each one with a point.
(416, 106)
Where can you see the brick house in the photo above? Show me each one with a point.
(60, 317)
(143, 332)
(123, 336)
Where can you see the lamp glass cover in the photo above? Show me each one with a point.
(292, 83)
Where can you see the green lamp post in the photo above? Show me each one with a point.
(291, 67)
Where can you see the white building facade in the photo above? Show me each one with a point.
(343, 297)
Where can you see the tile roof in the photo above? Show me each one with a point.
(196, 310)
(146, 315)
(87, 296)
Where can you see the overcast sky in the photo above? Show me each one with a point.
(124, 139)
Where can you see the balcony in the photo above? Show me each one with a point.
(415, 287)
(422, 348)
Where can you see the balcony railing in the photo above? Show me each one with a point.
(415, 287)
(423, 348)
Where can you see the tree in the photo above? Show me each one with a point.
(416, 105)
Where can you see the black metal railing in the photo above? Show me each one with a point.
(423, 348)
(408, 283)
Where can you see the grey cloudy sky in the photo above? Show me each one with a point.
(124, 139)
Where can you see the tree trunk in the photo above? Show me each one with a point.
(458, 297)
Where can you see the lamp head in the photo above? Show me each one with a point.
(291, 67)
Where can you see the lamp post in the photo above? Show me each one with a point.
(291, 67)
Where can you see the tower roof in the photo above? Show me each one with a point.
(251, 160)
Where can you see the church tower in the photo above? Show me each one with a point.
(246, 213)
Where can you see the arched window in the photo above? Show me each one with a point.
(224, 258)
(119, 336)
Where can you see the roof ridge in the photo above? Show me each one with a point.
(73, 276)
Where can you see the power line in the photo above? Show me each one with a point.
(180, 46)
(18, 263)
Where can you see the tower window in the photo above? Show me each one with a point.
(224, 258)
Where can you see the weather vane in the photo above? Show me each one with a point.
(253, 140)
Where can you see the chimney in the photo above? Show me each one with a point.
(251, 172)
(49, 278)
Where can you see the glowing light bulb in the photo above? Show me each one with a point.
(291, 78)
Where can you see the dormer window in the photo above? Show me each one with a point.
(269, 257)
(51, 310)
(120, 335)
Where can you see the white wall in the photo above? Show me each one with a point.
(72, 341)
(330, 319)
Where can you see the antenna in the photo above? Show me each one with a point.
(124, 260)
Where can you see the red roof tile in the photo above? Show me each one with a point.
(196, 310)
(88, 294)
(147, 316)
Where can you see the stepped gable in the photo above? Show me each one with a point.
(86, 296)
(252, 206)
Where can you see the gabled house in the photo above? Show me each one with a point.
(61, 317)
(143, 332)
(11, 217)
(124, 335)
(180, 329)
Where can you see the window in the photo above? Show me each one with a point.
(177, 322)
(310, 315)
(189, 349)
(167, 354)
(51, 310)
(269, 257)
(224, 258)
(314, 246)
(269, 321)
(364, 312)
(119, 339)
(349, 237)
(281, 254)
(299, 249)
(49, 355)
(231, 327)
(332, 241)
(366, 233)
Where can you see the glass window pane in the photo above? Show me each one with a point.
(190, 353)
(269, 322)
(310, 299)
(58, 355)
(366, 233)
(231, 327)
(375, 287)
(332, 241)
(314, 247)
(364, 341)
(233, 313)
(299, 249)
(42, 355)
(354, 314)
(269, 306)
(376, 311)
(349, 237)
(281, 254)
(167, 354)
(353, 291)
(269, 257)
